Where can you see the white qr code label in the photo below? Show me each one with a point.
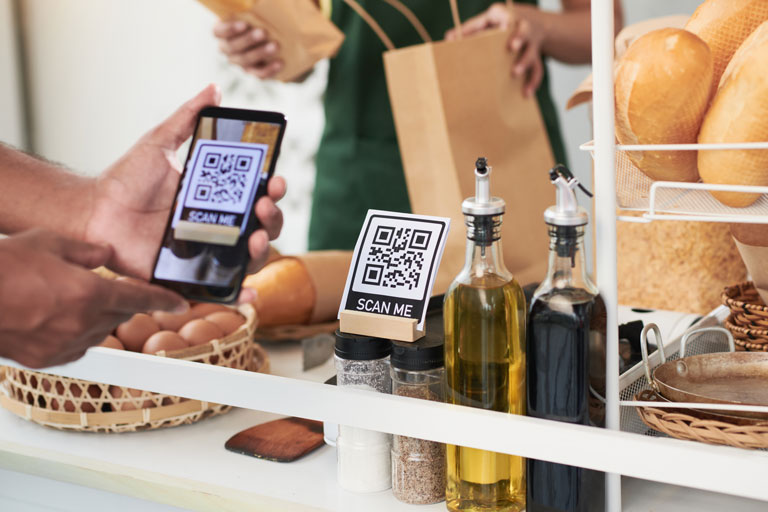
(220, 182)
(395, 264)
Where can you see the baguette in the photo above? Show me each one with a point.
(739, 113)
(662, 91)
(724, 25)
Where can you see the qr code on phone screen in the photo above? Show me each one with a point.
(396, 257)
(222, 179)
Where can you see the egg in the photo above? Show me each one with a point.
(117, 392)
(204, 309)
(228, 321)
(164, 340)
(135, 331)
(172, 321)
(112, 342)
(200, 331)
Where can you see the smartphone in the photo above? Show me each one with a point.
(204, 252)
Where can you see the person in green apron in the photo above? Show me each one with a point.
(358, 161)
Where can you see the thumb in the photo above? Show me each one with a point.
(172, 132)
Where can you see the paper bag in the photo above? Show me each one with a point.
(752, 242)
(305, 36)
(452, 102)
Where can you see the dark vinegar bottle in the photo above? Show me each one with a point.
(566, 357)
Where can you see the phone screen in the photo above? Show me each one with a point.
(204, 252)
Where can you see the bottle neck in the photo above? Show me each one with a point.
(567, 264)
(484, 255)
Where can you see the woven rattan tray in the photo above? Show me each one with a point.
(73, 404)
(748, 320)
(685, 426)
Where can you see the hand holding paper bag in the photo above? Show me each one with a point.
(298, 31)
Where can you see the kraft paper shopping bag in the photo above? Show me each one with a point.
(453, 101)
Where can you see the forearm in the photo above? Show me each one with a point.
(567, 34)
(36, 193)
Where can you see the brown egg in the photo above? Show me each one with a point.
(117, 392)
(204, 309)
(228, 321)
(135, 331)
(76, 392)
(112, 342)
(200, 331)
(171, 321)
(164, 340)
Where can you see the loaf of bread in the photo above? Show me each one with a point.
(662, 92)
(724, 25)
(739, 113)
(285, 294)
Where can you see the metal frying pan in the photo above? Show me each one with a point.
(718, 378)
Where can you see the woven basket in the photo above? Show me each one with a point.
(748, 320)
(73, 404)
(691, 428)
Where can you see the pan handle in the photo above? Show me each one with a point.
(686, 336)
(644, 351)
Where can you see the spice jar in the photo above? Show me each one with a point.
(363, 456)
(418, 466)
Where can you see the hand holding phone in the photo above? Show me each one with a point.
(204, 252)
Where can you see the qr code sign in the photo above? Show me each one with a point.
(396, 256)
(223, 175)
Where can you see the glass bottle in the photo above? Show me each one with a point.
(418, 466)
(484, 316)
(566, 355)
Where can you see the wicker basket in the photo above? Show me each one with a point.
(73, 404)
(748, 320)
(691, 428)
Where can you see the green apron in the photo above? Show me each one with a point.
(358, 162)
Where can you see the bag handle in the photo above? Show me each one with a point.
(457, 19)
(405, 11)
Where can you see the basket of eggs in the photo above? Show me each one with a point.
(206, 333)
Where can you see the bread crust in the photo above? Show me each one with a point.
(662, 91)
(739, 113)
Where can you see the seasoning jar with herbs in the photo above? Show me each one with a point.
(363, 456)
(418, 466)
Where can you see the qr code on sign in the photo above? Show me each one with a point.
(396, 257)
(222, 178)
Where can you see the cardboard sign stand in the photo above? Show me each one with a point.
(380, 326)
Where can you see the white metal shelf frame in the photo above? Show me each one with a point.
(666, 200)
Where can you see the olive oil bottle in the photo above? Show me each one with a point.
(484, 315)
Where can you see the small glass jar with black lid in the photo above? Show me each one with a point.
(363, 456)
(418, 466)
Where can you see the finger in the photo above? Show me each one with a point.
(243, 42)
(276, 188)
(258, 247)
(520, 34)
(259, 56)
(172, 132)
(527, 59)
(78, 252)
(266, 72)
(135, 297)
(534, 78)
(270, 216)
(229, 29)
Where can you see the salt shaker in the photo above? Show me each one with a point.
(418, 466)
(363, 455)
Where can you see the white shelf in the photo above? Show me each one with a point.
(666, 200)
(188, 467)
